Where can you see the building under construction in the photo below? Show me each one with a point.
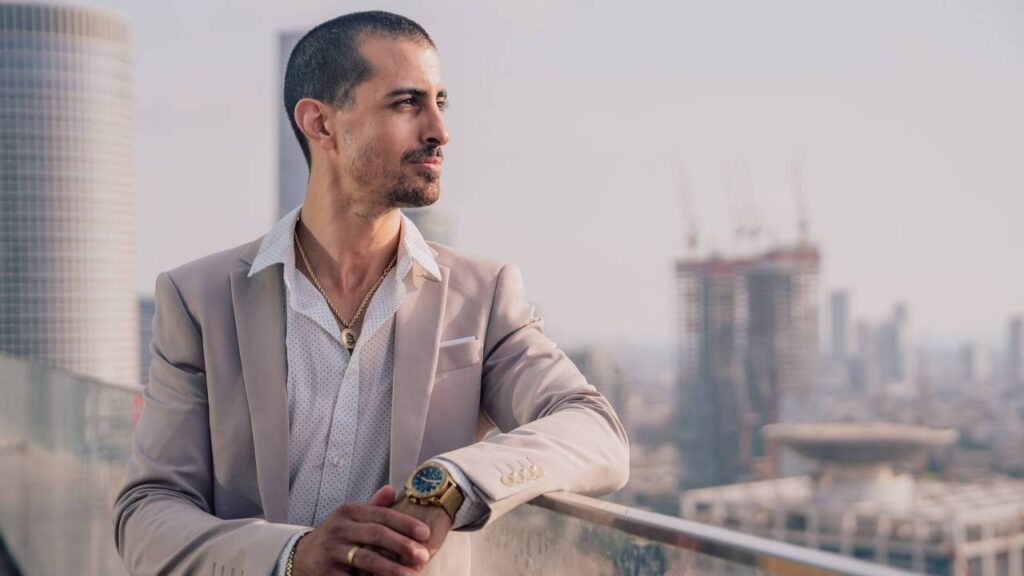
(748, 345)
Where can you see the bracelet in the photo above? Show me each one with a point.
(291, 555)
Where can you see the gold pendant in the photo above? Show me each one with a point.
(348, 338)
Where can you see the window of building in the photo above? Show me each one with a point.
(796, 521)
(901, 560)
(973, 532)
(1003, 564)
(867, 526)
(864, 553)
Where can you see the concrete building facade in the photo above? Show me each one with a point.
(748, 353)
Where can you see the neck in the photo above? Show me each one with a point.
(348, 242)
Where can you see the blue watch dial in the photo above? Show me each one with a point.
(428, 479)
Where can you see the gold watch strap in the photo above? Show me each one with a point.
(451, 500)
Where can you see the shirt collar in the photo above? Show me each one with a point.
(279, 248)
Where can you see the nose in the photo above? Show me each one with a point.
(435, 132)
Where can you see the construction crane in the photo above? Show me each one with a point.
(803, 228)
(691, 236)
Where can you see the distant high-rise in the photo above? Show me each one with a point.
(67, 206)
(292, 171)
(748, 342)
(975, 364)
(1015, 355)
(893, 340)
(602, 371)
(839, 329)
(147, 308)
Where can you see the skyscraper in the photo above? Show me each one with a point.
(292, 171)
(147, 309)
(1015, 355)
(893, 340)
(601, 369)
(839, 328)
(748, 337)
(975, 364)
(67, 206)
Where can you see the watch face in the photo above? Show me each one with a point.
(427, 479)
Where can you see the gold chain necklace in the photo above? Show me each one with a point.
(348, 334)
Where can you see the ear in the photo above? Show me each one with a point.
(311, 118)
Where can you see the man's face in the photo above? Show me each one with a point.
(389, 141)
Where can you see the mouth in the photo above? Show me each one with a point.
(433, 163)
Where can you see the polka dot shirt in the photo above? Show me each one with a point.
(339, 404)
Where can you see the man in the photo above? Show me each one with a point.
(341, 359)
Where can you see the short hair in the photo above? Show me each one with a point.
(326, 64)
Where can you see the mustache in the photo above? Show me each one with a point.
(423, 153)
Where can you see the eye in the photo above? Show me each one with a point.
(442, 105)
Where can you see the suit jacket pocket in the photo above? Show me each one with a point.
(459, 356)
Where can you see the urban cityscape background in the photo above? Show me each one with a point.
(778, 237)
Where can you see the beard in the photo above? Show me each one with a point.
(413, 192)
(401, 187)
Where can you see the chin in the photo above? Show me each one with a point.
(414, 197)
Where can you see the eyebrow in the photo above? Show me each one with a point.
(417, 92)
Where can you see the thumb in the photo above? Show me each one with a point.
(385, 496)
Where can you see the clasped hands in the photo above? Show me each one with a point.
(395, 538)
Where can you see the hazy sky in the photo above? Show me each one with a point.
(573, 122)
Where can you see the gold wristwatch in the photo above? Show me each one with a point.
(430, 484)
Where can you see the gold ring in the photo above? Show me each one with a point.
(352, 555)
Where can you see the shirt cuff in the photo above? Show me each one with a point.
(474, 509)
(282, 560)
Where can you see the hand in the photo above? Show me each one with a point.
(379, 529)
(434, 516)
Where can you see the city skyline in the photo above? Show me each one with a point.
(903, 117)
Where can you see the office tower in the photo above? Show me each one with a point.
(147, 307)
(839, 328)
(292, 171)
(748, 337)
(893, 340)
(599, 366)
(1015, 355)
(67, 206)
(975, 364)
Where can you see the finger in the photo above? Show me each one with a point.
(397, 521)
(367, 560)
(383, 497)
(388, 541)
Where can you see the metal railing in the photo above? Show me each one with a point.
(64, 439)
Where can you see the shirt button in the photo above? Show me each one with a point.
(336, 460)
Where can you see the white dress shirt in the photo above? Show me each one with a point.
(339, 404)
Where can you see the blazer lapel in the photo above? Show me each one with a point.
(259, 308)
(417, 335)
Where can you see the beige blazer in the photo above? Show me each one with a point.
(206, 488)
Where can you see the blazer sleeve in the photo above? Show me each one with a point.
(557, 432)
(163, 520)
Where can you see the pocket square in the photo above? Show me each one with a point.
(457, 341)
